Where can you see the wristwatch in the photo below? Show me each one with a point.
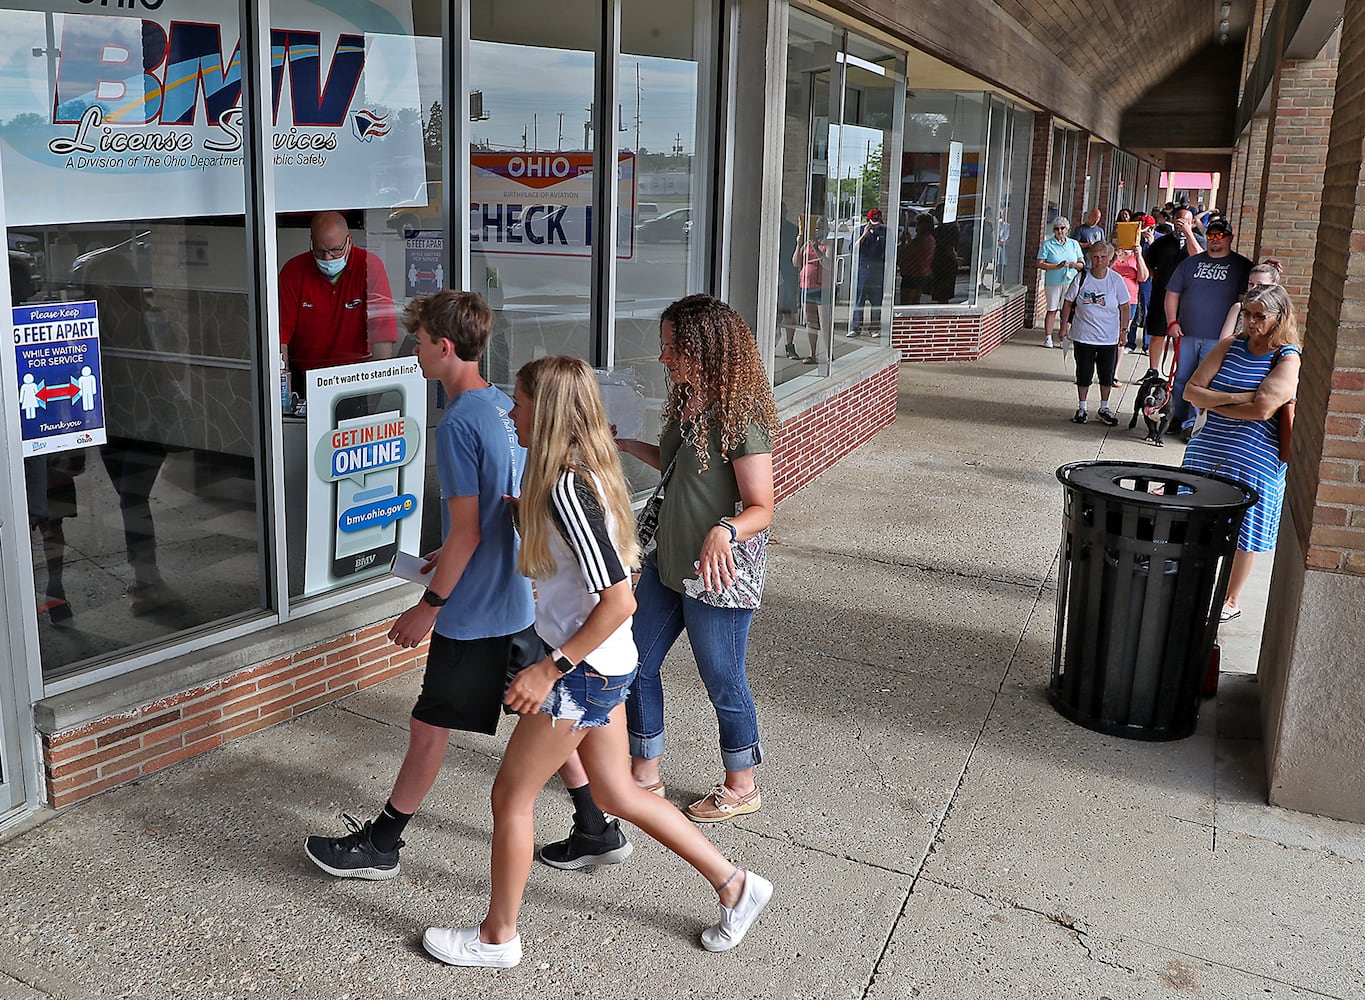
(431, 598)
(562, 662)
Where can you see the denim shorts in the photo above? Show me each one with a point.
(585, 697)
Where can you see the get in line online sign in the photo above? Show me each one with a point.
(60, 396)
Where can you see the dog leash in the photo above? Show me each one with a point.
(1172, 345)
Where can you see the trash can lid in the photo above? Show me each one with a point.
(1176, 488)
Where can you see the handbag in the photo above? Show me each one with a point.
(1284, 417)
(647, 521)
(746, 590)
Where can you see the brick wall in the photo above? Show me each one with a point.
(958, 336)
(90, 758)
(1326, 489)
(98, 755)
(815, 439)
(1035, 214)
(1289, 218)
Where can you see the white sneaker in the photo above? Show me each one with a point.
(735, 923)
(1048, 342)
(461, 946)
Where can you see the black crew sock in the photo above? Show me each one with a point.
(388, 827)
(586, 816)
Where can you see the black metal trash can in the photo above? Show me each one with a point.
(1146, 553)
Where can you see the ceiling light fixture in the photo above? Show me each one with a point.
(1225, 10)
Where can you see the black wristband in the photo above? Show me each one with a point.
(431, 598)
(729, 526)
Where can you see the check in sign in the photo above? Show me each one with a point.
(60, 395)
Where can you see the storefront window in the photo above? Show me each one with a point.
(1006, 185)
(124, 189)
(358, 154)
(663, 239)
(836, 246)
(942, 172)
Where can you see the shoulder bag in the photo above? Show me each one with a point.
(647, 521)
(1285, 419)
(751, 566)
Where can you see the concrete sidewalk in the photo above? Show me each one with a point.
(933, 827)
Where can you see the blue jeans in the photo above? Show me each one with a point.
(1191, 353)
(719, 638)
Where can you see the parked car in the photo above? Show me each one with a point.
(671, 227)
(646, 210)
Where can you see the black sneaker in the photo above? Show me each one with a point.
(354, 855)
(791, 352)
(579, 850)
(1080, 417)
(1108, 417)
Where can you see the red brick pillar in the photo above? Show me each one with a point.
(1289, 217)
(1312, 698)
(1035, 214)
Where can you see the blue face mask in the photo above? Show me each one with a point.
(331, 268)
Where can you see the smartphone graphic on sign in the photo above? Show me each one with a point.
(371, 548)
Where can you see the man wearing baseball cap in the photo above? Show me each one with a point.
(870, 249)
(1198, 297)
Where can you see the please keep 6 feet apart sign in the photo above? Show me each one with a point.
(60, 396)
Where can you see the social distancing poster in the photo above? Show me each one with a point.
(57, 358)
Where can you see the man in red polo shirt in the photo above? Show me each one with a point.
(336, 307)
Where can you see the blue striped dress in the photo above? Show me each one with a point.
(1245, 450)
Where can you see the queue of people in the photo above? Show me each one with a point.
(1230, 330)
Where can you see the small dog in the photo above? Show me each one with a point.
(1153, 402)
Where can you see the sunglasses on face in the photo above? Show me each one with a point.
(1259, 317)
(1059, 229)
(1219, 236)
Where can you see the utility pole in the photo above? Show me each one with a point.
(637, 107)
(559, 145)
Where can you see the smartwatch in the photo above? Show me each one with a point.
(728, 526)
(430, 597)
(562, 662)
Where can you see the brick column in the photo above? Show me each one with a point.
(1289, 218)
(1312, 698)
(1035, 214)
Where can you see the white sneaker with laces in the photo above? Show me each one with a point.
(735, 921)
(1048, 342)
(461, 946)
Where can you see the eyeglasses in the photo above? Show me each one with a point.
(1219, 235)
(1259, 317)
(1059, 229)
(332, 253)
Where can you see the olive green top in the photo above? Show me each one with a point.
(695, 500)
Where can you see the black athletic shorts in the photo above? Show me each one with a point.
(466, 679)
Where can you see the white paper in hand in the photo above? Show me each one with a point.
(408, 567)
(1066, 349)
(624, 402)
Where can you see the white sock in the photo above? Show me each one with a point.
(1104, 406)
(1081, 407)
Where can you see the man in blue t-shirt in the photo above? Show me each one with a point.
(477, 606)
(1200, 293)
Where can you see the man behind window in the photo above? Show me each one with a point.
(336, 306)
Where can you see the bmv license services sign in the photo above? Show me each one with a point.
(57, 354)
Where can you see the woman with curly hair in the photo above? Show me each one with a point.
(719, 422)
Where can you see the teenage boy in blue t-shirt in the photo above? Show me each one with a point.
(477, 607)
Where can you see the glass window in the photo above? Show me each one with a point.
(357, 159)
(662, 238)
(1012, 252)
(835, 251)
(531, 180)
(941, 203)
(120, 140)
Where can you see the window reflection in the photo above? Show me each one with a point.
(155, 531)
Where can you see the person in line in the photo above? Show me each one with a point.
(1241, 384)
(336, 306)
(1198, 297)
(1059, 258)
(812, 258)
(1267, 272)
(1090, 232)
(578, 542)
(915, 260)
(477, 607)
(719, 422)
(1093, 316)
(1130, 266)
(1167, 252)
(870, 247)
(946, 263)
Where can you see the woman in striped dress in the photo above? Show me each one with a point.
(1242, 384)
